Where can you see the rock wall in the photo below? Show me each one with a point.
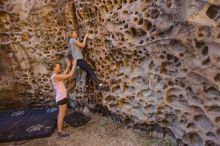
(160, 59)
(33, 34)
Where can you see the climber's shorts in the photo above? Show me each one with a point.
(63, 101)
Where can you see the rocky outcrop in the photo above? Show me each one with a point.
(160, 59)
(32, 35)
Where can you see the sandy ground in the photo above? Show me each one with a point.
(100, 131)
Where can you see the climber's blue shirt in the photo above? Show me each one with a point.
(75, 50)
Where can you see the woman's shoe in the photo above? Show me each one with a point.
(63, 134)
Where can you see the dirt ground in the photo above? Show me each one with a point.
(100, 131)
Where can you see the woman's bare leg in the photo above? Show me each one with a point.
(61, 115)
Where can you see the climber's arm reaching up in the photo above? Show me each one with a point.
(60, 77)
(83, 44)
(67, 68)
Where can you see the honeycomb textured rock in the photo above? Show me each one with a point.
(161, 61)
(32, 35)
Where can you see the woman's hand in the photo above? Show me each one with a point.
(68, 62)
(90, 36)
(74, 63)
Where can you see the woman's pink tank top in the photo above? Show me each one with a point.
(60, 89)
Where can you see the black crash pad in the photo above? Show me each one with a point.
(27, 124)
(77, 119)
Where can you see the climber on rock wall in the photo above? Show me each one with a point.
(57, 79)
(75, 47)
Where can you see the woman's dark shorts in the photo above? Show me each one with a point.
(63, 101)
